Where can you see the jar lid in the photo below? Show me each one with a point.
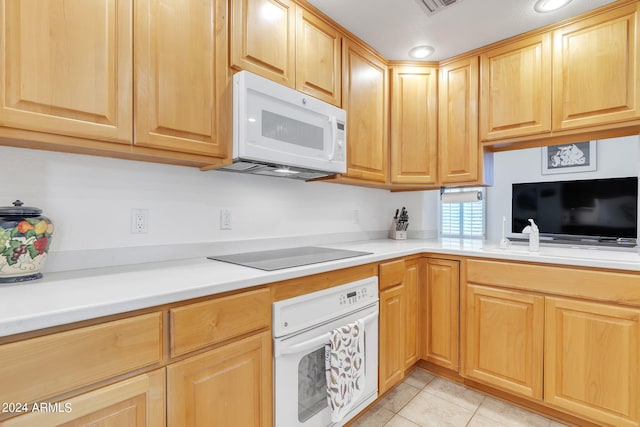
(18, 210)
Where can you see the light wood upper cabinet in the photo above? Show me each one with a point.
(516, 89)
(504, 339)
(230, 386)
(181, 76)
(365, 97)
(458, 122)
(591, 360)
(596, 66)
(136, 402)
(263, 38)
(65, 67)
(439, 300)
(318, 58)
(414, 125)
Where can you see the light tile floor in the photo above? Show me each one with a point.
(423, 400)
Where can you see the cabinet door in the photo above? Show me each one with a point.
(136, 402)
(410, 328)
(516, 89)
(504, 341)
(440, 298)
(66, 67)
(365, 97)
(595, 70)
(391, 343)
(318, 59)
(181, 76)
(591, 360)
(230, 386)
(458, 139)
(414, 126)
(263, 38)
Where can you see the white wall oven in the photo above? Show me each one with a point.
(301, 329)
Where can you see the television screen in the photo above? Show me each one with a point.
(594, 208)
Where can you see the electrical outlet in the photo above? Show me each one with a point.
(225, 219)
(139, 221)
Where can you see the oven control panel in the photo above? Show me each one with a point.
(353, 297)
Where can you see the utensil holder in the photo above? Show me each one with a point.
(397, 234)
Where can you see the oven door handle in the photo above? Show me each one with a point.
(316, 341)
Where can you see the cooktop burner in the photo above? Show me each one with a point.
(287, 258)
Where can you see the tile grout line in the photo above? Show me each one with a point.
(476, 410)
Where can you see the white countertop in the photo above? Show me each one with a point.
(66, 297)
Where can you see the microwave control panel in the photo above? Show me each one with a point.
(340, 142)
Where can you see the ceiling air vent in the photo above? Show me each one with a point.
(434, 6)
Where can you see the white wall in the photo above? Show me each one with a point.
(90, 201)
(615, 158)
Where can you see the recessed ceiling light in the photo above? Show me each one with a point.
(421, 52)
(543, 6)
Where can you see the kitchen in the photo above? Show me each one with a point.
(95, 195)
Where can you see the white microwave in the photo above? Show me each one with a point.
(278, 131)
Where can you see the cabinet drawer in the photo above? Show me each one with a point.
(560, 280)
(198, 325)
(391, 274)
(43, 367)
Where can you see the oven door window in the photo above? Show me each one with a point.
(312, 385)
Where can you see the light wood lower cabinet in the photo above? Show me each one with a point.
(230, 386)
(390, 357)
(504, 339)
(136, 402)
(439, 318)
(398, 342)
(592, 354)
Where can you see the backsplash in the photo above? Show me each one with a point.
(90, 201)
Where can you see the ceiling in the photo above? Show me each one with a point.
(392, 27)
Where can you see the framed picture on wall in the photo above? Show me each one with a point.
(569, 158)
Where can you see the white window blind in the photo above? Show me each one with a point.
(464, 219)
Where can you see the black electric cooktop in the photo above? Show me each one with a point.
(287, 258)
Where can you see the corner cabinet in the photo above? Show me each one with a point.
(439, 313)
(399, 345)
(182, 78)
(595, 69)
(65, 68)
(414, 125)
(263, 38)
(365, 97)
(515, 90)
(459, 153)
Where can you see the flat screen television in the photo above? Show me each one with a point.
(593, 209)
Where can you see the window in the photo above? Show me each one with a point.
(463, 219)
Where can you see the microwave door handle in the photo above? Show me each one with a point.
(333, 122)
